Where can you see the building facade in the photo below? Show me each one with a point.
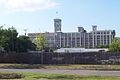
(82, 38)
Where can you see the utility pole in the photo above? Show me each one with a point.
(12, 40)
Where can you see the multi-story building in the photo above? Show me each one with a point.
(58, 39)
(100, 37)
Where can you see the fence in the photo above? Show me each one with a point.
(61, 58)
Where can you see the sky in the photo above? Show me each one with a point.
(38, 15)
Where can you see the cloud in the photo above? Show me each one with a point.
(26, 5)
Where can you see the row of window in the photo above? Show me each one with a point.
(102, 32)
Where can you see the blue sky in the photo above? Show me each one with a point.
(38, 15)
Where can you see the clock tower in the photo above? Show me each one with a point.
(57, 25)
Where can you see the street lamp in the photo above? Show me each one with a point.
(25, 31)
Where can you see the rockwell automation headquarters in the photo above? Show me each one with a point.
(84, 39)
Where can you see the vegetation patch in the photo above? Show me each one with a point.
(69, 67)
(11, 76)
(48, 76)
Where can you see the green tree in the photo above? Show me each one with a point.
(41, 42)
(24, 44)
(7, 38)
(10, 42)
(115, 45)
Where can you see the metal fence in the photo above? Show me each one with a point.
(61, 58)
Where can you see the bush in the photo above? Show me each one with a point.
(11, 76)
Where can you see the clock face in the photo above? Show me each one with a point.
(94, 29)
(58, 26)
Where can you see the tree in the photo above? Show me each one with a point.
(10, 42)
(24, 44)
(7, 38)
(40, 42)
(115, 45)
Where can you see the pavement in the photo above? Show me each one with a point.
(81, 72)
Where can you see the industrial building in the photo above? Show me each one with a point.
(81, 38)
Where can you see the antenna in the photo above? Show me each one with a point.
(56, 14)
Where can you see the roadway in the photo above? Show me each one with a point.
(81, 72)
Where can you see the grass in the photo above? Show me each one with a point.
(47, 76)
(38, 66)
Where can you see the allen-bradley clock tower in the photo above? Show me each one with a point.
(57, 25)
